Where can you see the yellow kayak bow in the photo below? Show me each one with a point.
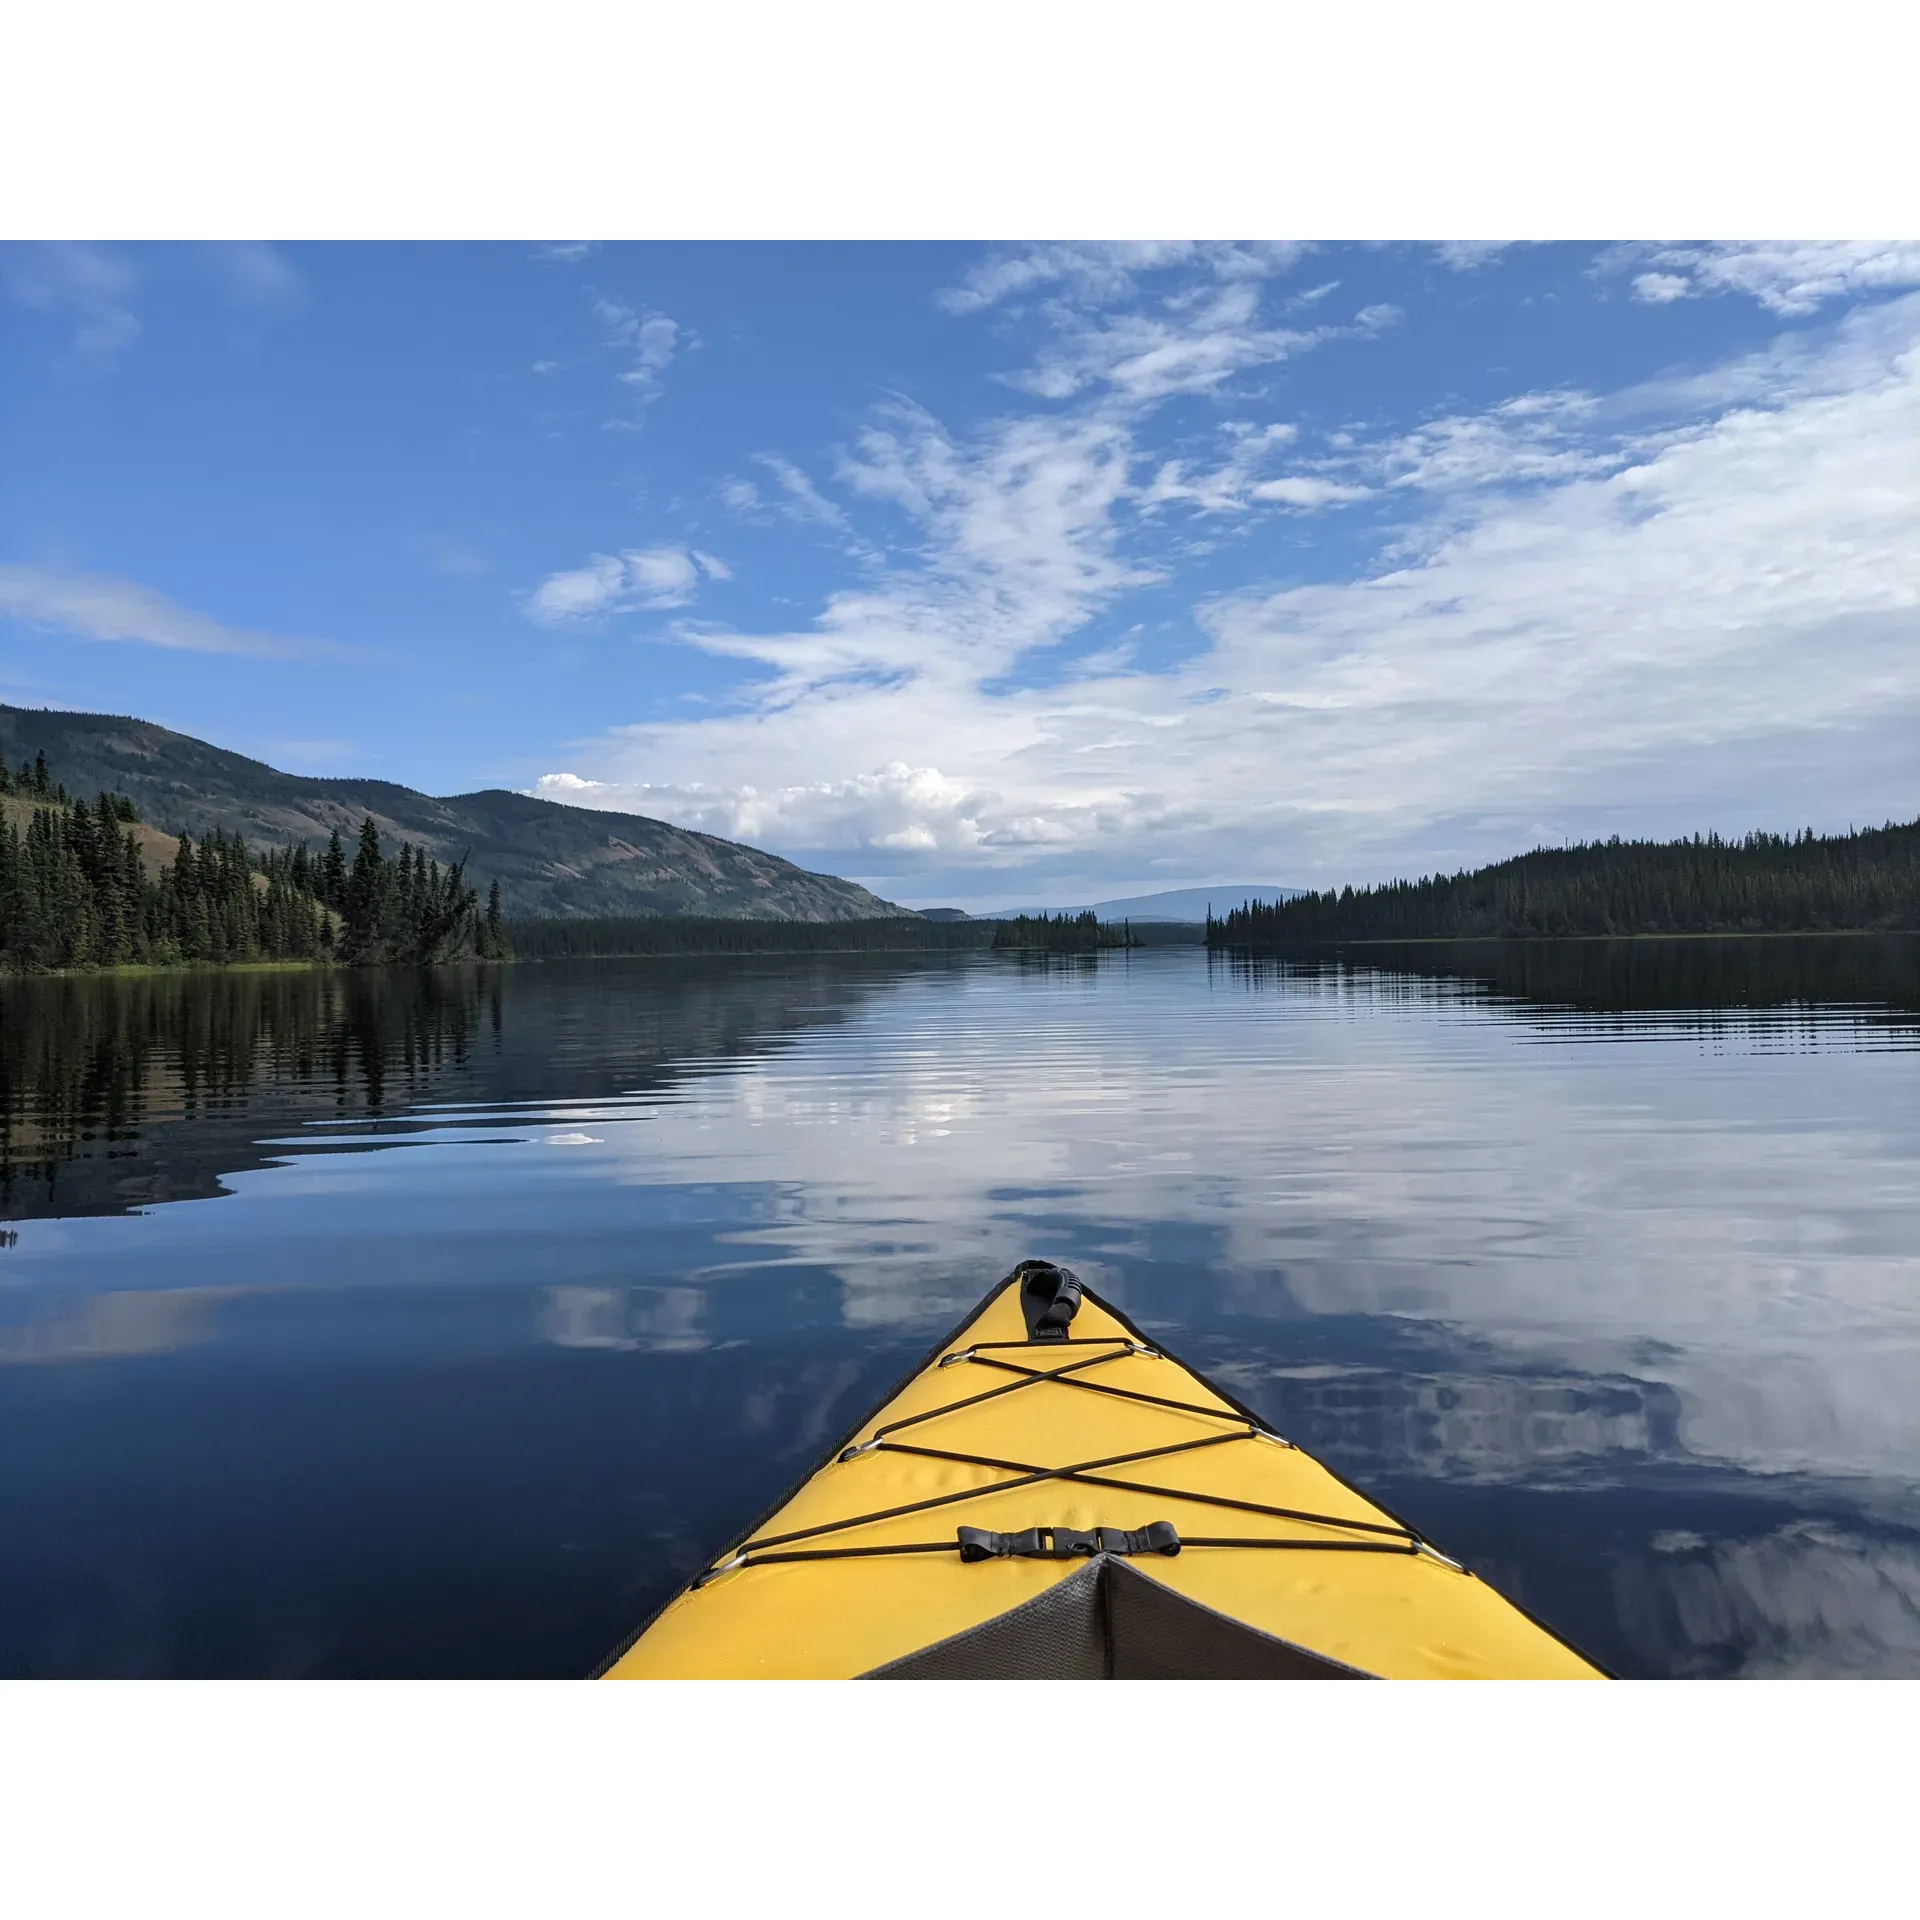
(1053, 1496)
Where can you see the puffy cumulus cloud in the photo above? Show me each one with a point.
(1711, 620)
(1659, 289)
(98, 606)
(1792, 277)
(894, 808)
(644, 577)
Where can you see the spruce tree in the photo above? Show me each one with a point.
(333, 875)
(365, 885)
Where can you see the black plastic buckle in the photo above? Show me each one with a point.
(1065, 1543)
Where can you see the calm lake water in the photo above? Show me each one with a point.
(443, 1324)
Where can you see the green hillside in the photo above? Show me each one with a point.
(550, 860)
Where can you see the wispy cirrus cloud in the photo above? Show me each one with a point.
(98, 606)
(1791, 277)
(90, 287)
(254, 276)
(655, 579)
(1098, 274)
(1146, 355)
(1605, 611)
(1464, 256)
(799, 498)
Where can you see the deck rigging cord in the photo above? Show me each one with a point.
(782, 1548)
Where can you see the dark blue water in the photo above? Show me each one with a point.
(443, 1324)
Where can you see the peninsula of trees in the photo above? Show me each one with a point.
(1061, 933)
(1764, 883)
(76, 890)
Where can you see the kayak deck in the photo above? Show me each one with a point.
(1080, 1504)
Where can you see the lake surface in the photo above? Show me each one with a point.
(445, 1323)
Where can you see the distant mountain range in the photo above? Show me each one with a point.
(1182, 903)
(567, 862)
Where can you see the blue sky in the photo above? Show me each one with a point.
(994, 574)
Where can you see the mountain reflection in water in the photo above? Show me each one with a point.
(443, 1323)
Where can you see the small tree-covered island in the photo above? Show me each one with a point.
(89, 885)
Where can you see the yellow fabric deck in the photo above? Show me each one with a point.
(1396, 1615)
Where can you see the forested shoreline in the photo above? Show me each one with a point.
(1061, 933)
(1863, 881)
(642, 936)
(649, 936)
(76, 893)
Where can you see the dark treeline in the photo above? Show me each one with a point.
(75, 892)
(406, 910)
(1765, 883)
(648, 935)
(1061, 933)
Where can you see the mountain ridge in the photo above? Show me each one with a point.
(1176, 904)
(550, 859)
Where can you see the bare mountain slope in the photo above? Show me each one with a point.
(565, 861)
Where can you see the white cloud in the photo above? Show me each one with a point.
(1465, 255)
(646, 577)
(566, 253)
(1658, 289)
(1533, 437)
(1308, 490)
(1792, 277)
(799, 499)
(97, 606)
(662, 576)
(711, 565)
(1149, 355)
(92, 287)
(1229, 487)
(650, 339)
(255, 276)
(1097, 273)
(1716, 622)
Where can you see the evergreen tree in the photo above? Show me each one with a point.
(496, 939)
(333, 875)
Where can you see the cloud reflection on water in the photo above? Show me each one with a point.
(1610, 1290)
